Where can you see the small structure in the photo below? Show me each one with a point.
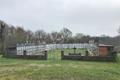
(105, 53)
(105, 50)
(11, 51)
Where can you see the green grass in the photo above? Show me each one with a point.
(56, 69)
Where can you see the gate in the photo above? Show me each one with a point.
(54, 54)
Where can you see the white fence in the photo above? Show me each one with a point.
(37, 49)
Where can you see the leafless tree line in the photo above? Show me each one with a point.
(10, 36)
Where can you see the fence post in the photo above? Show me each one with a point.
(62, 54)
(24, 52)
(86, 53)
(114, 55)
(46, 55)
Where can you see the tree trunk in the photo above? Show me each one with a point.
(2, 38)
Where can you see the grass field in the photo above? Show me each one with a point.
(56, 69)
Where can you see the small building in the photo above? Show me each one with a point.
(11, 51)
(105, 50)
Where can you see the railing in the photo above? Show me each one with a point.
(37, 49)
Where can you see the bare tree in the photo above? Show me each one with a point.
(66, 33)
(30, 36)
(2, 36)
(78, 37)
(55, 37)
(20, 35)
(40, 36)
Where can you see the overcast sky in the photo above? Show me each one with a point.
(93, 17)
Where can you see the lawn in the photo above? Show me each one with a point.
(56, 69)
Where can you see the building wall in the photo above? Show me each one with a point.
(103, 51)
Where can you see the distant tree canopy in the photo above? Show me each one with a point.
(10, 36)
